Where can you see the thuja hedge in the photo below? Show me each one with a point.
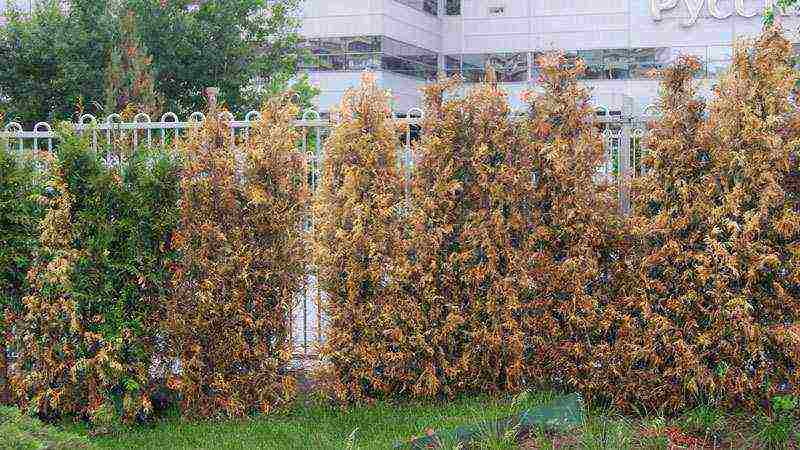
(506, 264)
(84, 337)
(500, 264)
(20, 213)
(242, 244)
(134, 277)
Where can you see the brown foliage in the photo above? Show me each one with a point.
(357, 229)
(718, 229)
(571, 316)
(463, 264)
(243, 259)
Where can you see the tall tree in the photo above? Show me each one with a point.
(129, 79)
(222, 43)
(56, 58)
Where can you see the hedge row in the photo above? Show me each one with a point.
(506, 264)
(144, 257)
(501, 264)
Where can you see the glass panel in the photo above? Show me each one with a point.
(328, 45)
(617, 63)
(645, 60)
(363, 61)
(331, 62)
(452, 7)
(473, 62)
(510, 67)
(452, 65)
(364, 44)
(594, 64)
(427, 6)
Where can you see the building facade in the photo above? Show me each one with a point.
(408, 41)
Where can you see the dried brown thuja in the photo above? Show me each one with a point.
(241, 239)
(721, 232)
(455, 329)
(356, 233)
(570, 316)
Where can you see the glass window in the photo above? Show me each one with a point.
(452, 7)
(331, 62)
(510, 67)
(645, 60)
(427, 6)
(364, 44)
(617, 63)
(452, 65)
(363, 61)
(594, 64)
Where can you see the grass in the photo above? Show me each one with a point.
(308, 426)
(20, 432)
(312, 426)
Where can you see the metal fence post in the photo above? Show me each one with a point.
(626, 134)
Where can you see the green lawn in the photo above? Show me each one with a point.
(309, 427)
(380, 426)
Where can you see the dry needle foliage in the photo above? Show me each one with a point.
(455, 328)
(718, 221)
(571, 314)
(356, 234)
(243, 261)
(84, 336)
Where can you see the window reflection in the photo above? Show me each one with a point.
(426, 6)
(369, 52)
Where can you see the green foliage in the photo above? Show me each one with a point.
(56, 59)
(243, 260)
(221, 43)
(86, 337)
(704, 421)
(775, 430)
(20, 214)
(20, 432)
(53, 59)
(129, 81)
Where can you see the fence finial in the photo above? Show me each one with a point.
(211, 95)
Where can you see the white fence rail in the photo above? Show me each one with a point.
(623, 139)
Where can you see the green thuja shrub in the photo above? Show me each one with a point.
(89, 324)
(20, 213)
(719, 227)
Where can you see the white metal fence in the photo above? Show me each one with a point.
(623, 137)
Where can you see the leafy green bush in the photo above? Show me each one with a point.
(86, 335)
(21, 432)
(20, 214)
